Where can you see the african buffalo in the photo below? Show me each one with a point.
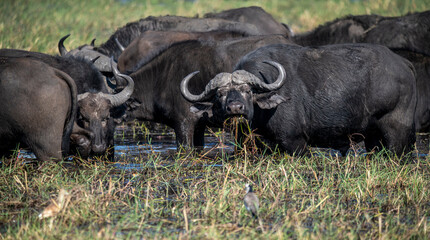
(410, 32)
(102, 63)
(97, 107)
(256, 16)
(323, 96)
(38, 106)
(408, 36)
(157, 94)
(151, 43)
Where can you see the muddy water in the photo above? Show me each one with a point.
(132, 142)
(138, 142)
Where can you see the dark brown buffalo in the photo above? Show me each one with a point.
(256, 16)
(38, 106)
(126, 34)
(157, 94)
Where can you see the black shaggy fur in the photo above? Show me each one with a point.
(408, 36)
(410, 32)
(336, 92)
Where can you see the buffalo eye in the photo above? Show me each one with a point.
(221, 92)
(245, 88)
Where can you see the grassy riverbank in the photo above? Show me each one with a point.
(39, 24)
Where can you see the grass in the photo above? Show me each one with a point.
(190, 195)
(308, 197)
(195, 196)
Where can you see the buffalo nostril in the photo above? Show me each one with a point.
(235, 108)
(98, 148)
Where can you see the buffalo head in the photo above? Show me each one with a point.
(95, 113)
(235, 94)
(88, 52)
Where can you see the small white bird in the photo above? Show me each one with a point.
(56, 206)
(251, 201)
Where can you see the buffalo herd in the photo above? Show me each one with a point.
(357, 78)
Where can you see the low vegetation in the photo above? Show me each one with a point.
(199, 195)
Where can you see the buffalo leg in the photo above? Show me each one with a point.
(400, 140)
(422, 142)
(199, 136)
(46, 145)
(184, 134)
(397, 136)
(343, 151)
(373, 140)
(295, 146)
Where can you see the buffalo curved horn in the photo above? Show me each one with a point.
(215, 83)
(121, 97)
(121, 47)
(184, 88)
(61, 47)
(257, 83)
(92, 42)
(95, 59)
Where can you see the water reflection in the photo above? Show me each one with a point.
(134, 141)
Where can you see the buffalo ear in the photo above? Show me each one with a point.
(269, 100)
(202, 109)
